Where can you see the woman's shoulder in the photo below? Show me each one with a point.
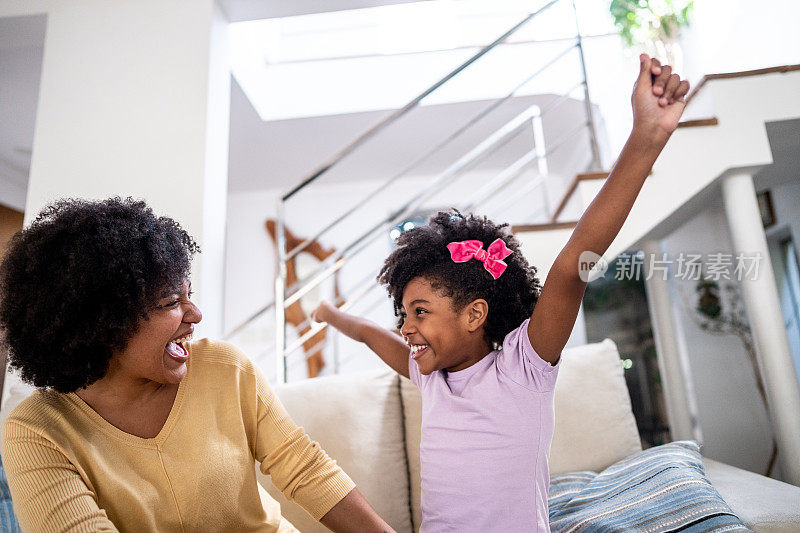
(41, 410)
(209, 353)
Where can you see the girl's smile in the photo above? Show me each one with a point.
(418, 350)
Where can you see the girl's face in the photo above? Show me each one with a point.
(156, 352)
(440, 337)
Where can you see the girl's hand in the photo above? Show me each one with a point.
(658, 101)
(322, 312)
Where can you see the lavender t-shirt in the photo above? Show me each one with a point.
(486, 433)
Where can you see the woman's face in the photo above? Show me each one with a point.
(156, 352)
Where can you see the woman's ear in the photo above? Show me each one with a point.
(476, 311)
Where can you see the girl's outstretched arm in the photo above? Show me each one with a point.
(388, 345)
(658, 102)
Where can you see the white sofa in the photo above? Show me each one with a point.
(370, 423)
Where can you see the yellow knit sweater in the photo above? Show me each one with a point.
(71, 470)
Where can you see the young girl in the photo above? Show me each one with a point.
(485, 338)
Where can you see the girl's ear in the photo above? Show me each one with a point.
(476, 312)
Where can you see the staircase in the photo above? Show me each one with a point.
(462, 183)
(675, 187)
(734, 106)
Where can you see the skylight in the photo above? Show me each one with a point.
(382, 57)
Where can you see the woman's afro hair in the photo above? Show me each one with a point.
(422, 252)
(75, 284)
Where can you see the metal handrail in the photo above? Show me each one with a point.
(253, 317)
(596, 156)
(412, 104)
(501, 181)
(474, 120)
(336, 261)
(491, 144)
(505, 178)
(544, 111)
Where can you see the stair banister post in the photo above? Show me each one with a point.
(597, 160)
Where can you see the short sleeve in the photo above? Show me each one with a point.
(520, 362)
(416, 377)
(413, 371)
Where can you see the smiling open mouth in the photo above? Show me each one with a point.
(177, 350)
(417, 350)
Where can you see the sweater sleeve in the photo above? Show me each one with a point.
(299, 468)
(47, 492)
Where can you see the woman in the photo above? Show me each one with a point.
(134, 427)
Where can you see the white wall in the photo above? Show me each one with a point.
(731, 414)
(19, 90)
(734, 35)
(134, 101)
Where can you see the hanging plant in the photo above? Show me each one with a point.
(643, 21)
(708, 304)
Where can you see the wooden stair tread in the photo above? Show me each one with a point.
(574, 185)
(592, 176)
(712, 121)
(547, 226)
(740, 74)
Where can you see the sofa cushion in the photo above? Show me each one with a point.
(660, 489)
(594, 425)
(763, 504)
(358, 421)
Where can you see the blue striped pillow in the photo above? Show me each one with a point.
(8, 522)
(656, 490)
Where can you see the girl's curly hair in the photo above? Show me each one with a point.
(422, 252)
(75, 284)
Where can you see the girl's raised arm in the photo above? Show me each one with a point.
(387, 344)
(658, 102)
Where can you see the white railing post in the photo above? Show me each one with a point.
(280, 293)
(541, 157)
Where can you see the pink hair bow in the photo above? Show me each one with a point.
(492, 258)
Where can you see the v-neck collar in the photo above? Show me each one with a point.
(112, 430)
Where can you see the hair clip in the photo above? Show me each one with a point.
(492, 257)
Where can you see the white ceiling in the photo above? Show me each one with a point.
(243, 10)
(278, 154)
